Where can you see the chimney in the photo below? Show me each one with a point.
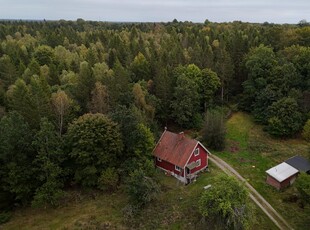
(181, 135)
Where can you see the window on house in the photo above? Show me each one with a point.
(196, 152)
(158, 159)
(198, 163)
(177, 168)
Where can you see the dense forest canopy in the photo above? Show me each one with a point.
(63, 84)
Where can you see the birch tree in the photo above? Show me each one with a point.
(61, 104)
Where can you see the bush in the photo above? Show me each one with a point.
(227, 204)
(303, 187)
(48, 194)
(306, 131)
(214, 130)
(4, 217)
(108, 180)
(141, 188)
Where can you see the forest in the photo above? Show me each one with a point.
(82, 103)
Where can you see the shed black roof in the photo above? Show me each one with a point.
(300, 163)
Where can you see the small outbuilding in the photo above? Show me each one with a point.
(281, 175)
(180, 156)
(299, 163)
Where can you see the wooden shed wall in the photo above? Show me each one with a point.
(280, 185)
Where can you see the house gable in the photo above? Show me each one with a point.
(202, 157)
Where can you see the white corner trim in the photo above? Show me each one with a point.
(191, 154)
(198, 143)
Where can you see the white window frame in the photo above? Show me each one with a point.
(196, 152)
(158, 159)
(198, 162)
(177, 168)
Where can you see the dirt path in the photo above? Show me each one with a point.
(254, 195)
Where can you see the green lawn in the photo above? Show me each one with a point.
(82, 210)
(251, 152)
(176, 208)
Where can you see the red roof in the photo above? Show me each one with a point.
(174, 148)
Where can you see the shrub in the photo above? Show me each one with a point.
(303, 187)
(4, 217)
(306, 131)
(108, 180)
(48, 194)
(227, 204)
(141, 188)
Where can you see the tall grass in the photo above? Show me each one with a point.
(251, 152)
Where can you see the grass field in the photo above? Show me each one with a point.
(176, 208)
(251, 152)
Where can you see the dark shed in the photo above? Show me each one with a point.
(299, 163)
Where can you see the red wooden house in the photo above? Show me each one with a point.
(180, 156)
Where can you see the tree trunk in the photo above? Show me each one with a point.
(222, 93)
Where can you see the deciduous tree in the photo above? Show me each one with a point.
(259, 63)
(140, 101)
(95, 144)
(227, 204)
(140, 68)
(44, 55)
(285, 119)
(210, 83)
(186, 98)
(61, 104)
